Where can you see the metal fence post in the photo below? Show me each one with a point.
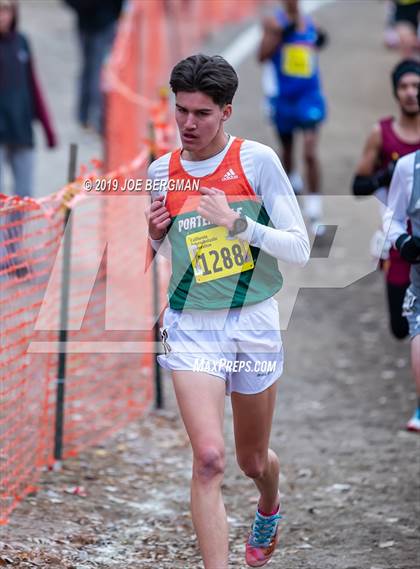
(64, 306)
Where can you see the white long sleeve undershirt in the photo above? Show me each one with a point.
(399, 197)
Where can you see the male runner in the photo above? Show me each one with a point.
(221, 327)
(294, 96)
(404, 207)
(390, 139)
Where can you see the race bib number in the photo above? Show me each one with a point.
(297, 61)
(214, 256)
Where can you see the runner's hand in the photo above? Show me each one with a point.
(215, 208)
(409, 248)
(158, 218)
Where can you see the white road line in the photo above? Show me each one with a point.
(244, 45)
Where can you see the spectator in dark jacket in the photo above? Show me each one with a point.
(96, 23)
(21, 102)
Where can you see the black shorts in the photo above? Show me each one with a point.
(407, 13)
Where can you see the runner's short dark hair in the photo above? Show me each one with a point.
(211, 75)
(403, 67)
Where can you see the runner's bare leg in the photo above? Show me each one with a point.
(252, 419)
(201, 400)
(311, 160)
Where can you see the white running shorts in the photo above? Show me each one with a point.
(242, 346)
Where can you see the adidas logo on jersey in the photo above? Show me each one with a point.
(230, 175)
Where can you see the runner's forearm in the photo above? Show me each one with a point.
(288, 246)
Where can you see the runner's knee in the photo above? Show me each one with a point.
(253, 465)
(209, 462)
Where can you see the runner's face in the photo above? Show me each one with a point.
(407, 93)
(6, 19)
(200, 120)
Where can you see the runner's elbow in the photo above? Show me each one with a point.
(302, 254)
(304, 259)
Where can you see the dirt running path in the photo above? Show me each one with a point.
(350, 473)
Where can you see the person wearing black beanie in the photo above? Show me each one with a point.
(402, 68)
(390, 139)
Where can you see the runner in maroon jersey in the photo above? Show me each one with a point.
(390, 139)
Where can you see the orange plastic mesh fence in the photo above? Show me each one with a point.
(29, 239)
(109, 376)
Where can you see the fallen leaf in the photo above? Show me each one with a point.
(386, 544)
